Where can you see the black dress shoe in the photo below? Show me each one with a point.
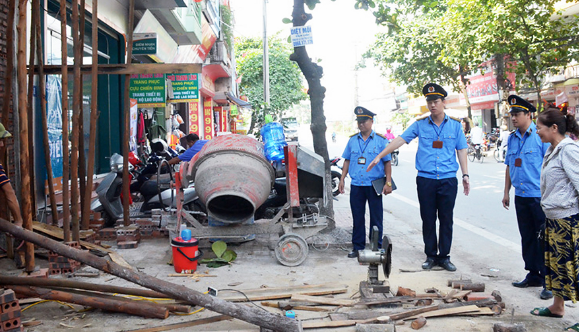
(527, 283)
(447, 265)
(428, 264)
(353, 254)
(546, 294)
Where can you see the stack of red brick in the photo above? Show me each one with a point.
(61, 265)
(128, 237)
(9, 312)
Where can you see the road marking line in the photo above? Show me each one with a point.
(475, 229)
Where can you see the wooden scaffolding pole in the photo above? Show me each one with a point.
(31, 68)
(76, 105)
(127, 110)
(42, 94)
(4, 213)
(81, 153)
(93, 115)
(23, 118)
(65, 153)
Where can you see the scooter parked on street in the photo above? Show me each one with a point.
(157, 193)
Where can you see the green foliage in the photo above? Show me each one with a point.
(439, 40)
(285, 77)
(224, 255)
(227, 27)
(402, 118)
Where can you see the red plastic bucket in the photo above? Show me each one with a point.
(185, 254)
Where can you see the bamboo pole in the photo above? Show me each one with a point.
(81, 154)
(23, 119)
(93, 116)
(76, 99)
(127, 110)
(4, 212)
(66, 283)
(132, 308)
(65, 152)
(249, 314)
(33, 46)
(42, 88)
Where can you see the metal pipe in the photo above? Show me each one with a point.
(65, 152)
(127, 118)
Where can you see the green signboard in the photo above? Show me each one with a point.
(185, 87)
(144, 43)
(148, 90)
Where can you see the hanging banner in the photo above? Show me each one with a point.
(207, 119)
(194, 118)
(54, 119)
(148, 90)
(133, 131)
(185, 87)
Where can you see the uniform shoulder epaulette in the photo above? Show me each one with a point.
(422, 118)
(384, 137)
(353, 135)
(513, 131)
(455, 119)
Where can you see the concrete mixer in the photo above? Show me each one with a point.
(233, 179)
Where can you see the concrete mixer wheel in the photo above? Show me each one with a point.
(291, 250)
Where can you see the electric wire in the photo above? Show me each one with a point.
(242, 293)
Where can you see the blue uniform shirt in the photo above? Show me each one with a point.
(527, 178)
(369, 149)
(192, 151)
(434, 163)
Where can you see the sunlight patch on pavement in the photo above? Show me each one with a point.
(461, 223)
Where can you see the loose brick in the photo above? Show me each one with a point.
(10, 306)
(11, 324)
(10, 315)
(54, 271)
(7, 296)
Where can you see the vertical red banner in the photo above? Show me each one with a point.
(194, 118)
(224, 121)
(207, 119)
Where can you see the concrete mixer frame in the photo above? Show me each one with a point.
(292, 247)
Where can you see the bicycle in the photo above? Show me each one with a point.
(475, 152)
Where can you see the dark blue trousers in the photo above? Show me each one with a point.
(359, 195)
(437, 198)
(531, 217)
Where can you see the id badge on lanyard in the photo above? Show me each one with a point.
(361, 161)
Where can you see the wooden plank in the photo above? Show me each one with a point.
(446, 312)
(323, 300)
(324, 324)
(183, 325)
(131, 69)
(282, 292)
(56, 231)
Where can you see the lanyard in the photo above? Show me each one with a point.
(441, 127)
(524, 139)
(365, 144)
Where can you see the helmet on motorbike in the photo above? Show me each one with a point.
(159, 145)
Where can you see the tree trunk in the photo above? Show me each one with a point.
(313, 74)
(463, 81)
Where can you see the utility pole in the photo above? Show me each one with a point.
(265, 57)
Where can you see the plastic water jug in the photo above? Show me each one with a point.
(186, 234)
(274, 140)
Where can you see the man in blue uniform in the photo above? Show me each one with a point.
(194, 145)
(524, 158)
(441, 139)
(361, 149)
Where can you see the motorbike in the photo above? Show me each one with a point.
(394, 157)
(334, 137)
(500, 152)
(336, 175)
(156, 192)
(278, 198)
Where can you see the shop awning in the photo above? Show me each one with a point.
(237, 101)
